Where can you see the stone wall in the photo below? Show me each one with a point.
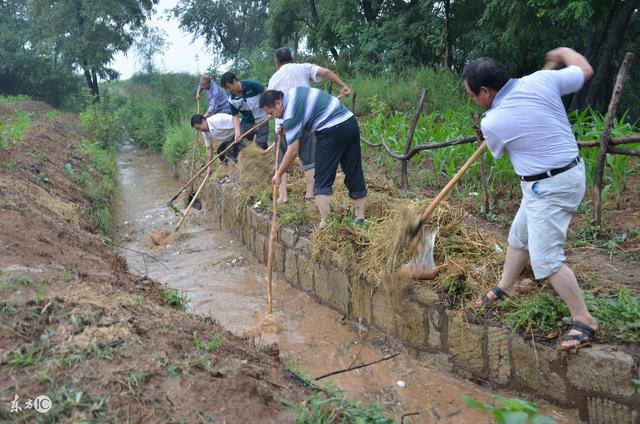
(597, 381)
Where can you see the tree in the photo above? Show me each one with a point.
(227, 26)
(88, 33)
(151, 42)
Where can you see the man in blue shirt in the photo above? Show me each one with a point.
(217, 97)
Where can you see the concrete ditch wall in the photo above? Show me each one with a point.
(597, 381)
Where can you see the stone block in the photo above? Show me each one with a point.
(305, 245)
(361, 293)
(411, 324)
(425, 295)
(288, 236)
(535, 368)
(601, 369)
(605, 411)
(264, 223)
(332, 286)
(498, 359)
(465, 343)
(254, 218)
(260, 248)
(434, 330)
(278, 257)
(383, 310)
(305, 273)
(291, 267)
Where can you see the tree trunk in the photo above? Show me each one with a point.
(448, 39)
(615, 38)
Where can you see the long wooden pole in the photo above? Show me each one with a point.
(216, 157)
(193, 200)
(274, 229)
(445, 191)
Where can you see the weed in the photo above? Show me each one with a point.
(12, 99)
(167, 328)
(9, 165)
(178, 141)
(36, 154)
(22, 280)
(24, 356)
(209, 346)
(333, 408)
(12, 129)
(67, 274)
(137, 299)
(8, 308)
(541, 312)
(41, 291)
(174, 298)
(510, 410)
(618, 315)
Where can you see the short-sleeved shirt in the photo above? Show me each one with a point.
(292, 75)
(218, 102)
(311, 109)
(248, 105)
(220, 128)
(528, 121)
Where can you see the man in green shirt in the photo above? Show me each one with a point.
(244, 99)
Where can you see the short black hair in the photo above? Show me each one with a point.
(269, 97)
(283, 55)
(227, 78)
(196, 119)
(485, 72)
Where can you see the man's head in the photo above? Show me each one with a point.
(483, 78)
(205, 82)
(230, 83)
(199, 122)
(271, 102)
(283, 56)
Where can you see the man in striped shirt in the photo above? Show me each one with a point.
(337, 142)
(244, 99)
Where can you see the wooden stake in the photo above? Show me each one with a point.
(407, 144)
(605, 139)
(274, 230)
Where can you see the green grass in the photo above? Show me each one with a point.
(510, 411)
(13, 127)
(23, 356)
(12, 99)
(541, 312)
(67, 274)
(178, 142)
(174, 298)
(203, 346)
(334, 408)
(100, 191)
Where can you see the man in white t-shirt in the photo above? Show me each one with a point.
(216, 128)
(526, 120)
(290, 75)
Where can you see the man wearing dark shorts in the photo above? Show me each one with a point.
(337, 142)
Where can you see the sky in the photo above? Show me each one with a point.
(180, 56)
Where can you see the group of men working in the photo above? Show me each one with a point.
(525, 119)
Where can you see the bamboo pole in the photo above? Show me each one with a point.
(605, 140)
(404, 165)
(274, 228)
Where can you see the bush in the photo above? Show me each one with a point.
(178, 141)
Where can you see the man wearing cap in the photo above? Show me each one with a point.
(526, 120)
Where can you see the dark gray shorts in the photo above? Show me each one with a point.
(262, 133)
(307, 152)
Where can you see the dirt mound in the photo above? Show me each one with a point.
(159, 238)
(103, 344)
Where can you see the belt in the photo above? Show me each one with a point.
(551, 172)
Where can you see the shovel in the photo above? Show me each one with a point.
(422, 266)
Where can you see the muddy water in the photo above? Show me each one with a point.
(222, 279)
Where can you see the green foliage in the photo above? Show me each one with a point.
(510, 411)
(100, 123)
(333, 408)
(12, 99)
(179, 140)
(618, 315)
(102, 190)
(12, 128)
(541, 312)
(174, 298)
(22, 280)
(23, 356)
(201, 346)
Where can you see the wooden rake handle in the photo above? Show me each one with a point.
(272, 234)
(445, 191)
(193, 200)
(197, 174)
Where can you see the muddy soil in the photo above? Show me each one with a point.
(105, 344)
(224, 281)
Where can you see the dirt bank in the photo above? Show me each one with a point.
(103, 344)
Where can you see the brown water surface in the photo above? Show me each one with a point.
(223, 280)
